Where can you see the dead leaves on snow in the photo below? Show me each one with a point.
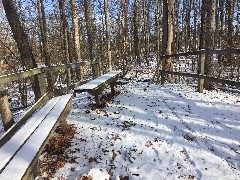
(92, 159)
(126, 125)
(54, 155)
(85, 178)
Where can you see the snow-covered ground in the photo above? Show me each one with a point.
(153, 132)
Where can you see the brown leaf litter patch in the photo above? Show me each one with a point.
(55, 155)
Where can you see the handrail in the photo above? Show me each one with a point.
(19, 75)
(199, 76)
(203, 51)
(28, 73)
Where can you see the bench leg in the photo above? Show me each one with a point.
(32, 172)
(35, 170)
(97, 100)
(64, 126)
(112, 89)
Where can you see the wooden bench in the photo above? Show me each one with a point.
(96, 86)
(19, 155)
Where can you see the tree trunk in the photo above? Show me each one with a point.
(202, 44)
(21, 38)
(170, 34)
(164, 37)
(158, 39)
(5, 112)
(210, 39)
(76, 37)
(64, 30)
(108, 34)
(91, 36)
(124, 33)
(135, 32)
(168, 19)
(146, 31)
(230, 33)
(44, 40)
(65, 39)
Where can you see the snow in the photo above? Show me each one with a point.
(156, 132)
(25, 155)
(99, 174)
(10, 148)
(98, 81)
(148, 132)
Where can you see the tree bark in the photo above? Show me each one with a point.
(135, 30)
(146, 30)
(91, 36)
(5, 111)
(65, 39)
(21, 38)
(124, 33)
(168, 19)
(44, 40)
(108, 34)
(76, 37)
(202, 45)
(158, 39)
(170, 35)
(210, 40)
(230, 32)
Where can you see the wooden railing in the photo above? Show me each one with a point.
(41, 72)
(202, 52)
(201, 61)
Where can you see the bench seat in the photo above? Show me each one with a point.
(96, 86)
(19, 155)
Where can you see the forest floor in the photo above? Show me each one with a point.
(149, 132)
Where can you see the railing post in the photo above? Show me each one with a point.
(201, 66)
(96, 69)
(162, 73)
(238, 76)
(68, 71)
(42, 82)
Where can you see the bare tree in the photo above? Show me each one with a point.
(76, 36)
(167, 39)
(44, 40)
(91, 36)
(230, 33)
(22, 41)
(125, 4)
(210, 36)
(146, 6)
(65, 38)
(106, 9)
(135, 31)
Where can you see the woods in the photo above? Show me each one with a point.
(129, 31)
(117, 35)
